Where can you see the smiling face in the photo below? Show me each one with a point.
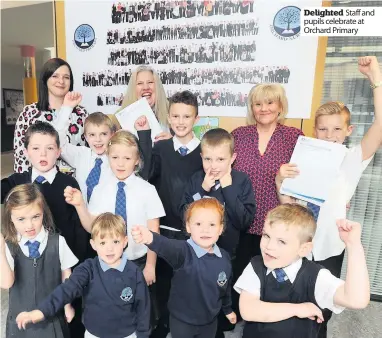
(332, 128)
(182, 118)
(219, 159)
(42, 151)
(266, 112)
(109, 248)
(205, 227)
(28, 219)
(59, 83)
(281, 245)
(98, 137)
(123, 160)
(145, 86)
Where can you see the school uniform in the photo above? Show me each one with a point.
(37, 273)
(116, 300)
(200, 287)
(65, 215)
(90, 167)
(328, 248)
(302, 281)
(238, 200)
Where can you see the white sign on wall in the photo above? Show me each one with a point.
(218, 50)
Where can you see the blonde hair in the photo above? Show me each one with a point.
(108, 224)
(267, 92)
(161, 102)
(98, 119)
(333, 108)
(205, 203)
(21, 196)
(127, 139)
(294, 215)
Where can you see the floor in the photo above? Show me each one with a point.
(365, 323)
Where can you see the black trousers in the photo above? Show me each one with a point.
(334, 265)
(180, 329)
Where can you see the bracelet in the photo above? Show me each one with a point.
(376, 85)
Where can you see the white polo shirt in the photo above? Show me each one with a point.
(327, 242)
(79, 157)
(325, 289)
(67, 258)
(142, 204)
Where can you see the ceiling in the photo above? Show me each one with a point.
(25, 23)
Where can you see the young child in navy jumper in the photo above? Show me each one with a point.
(201, 286)
(33, 261)
(282, 294)
(116, 298)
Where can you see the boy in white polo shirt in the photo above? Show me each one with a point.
(332, 123)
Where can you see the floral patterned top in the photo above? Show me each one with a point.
(31, 115)
(262, 169)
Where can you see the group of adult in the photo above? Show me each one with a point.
(262, 146)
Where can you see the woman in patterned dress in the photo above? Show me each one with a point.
(56, 80)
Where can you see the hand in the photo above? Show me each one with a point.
(368, 65)
(141, 123)
(149, 274)
(72, 99)
(309, 310)
(226, 179)
(209, 180)
(25, 318)
(350, 232)
(69, 312)
(232, 317)
(73, 196)
(287, 170)
(141, 235)
(162, 136)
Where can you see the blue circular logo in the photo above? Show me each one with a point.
(84, 36)
(287, 21)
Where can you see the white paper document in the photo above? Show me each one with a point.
(127, 117)
(319, 164)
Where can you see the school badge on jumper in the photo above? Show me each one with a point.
(126, 294)
(222, 279)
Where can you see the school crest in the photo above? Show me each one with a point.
(126, 294)
(222, 279)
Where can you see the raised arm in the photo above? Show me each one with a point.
(372, 140)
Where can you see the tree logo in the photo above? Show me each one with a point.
(286, 24)
(84, 37)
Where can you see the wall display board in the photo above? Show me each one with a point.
(217, 49)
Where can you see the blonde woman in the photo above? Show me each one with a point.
(145, 82)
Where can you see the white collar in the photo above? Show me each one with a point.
(291, 270)
(94, 156)
(191, 145)
(127, 180)
(40, 237)
(49, 175)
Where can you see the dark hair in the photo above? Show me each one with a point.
(47, 71)
(41, 128)
(185, 97)
(216, 137)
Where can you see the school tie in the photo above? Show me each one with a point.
(216, 186)
(33, 249)
(93, 177)
(183, 151)
(120, 201)
(40, 180)
(281, 276)
(315, 209)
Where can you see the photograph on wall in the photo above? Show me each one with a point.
(217, 49)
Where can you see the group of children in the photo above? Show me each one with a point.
(197, 203)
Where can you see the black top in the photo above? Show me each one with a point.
(238, 200)
(301, 291)
(201, 286)
(169, 172)
(116, 303)
(65, 215)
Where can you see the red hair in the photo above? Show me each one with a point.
(205, 203)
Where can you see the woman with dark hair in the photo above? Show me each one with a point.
(56, 80)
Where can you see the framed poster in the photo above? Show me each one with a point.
(13, 104)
